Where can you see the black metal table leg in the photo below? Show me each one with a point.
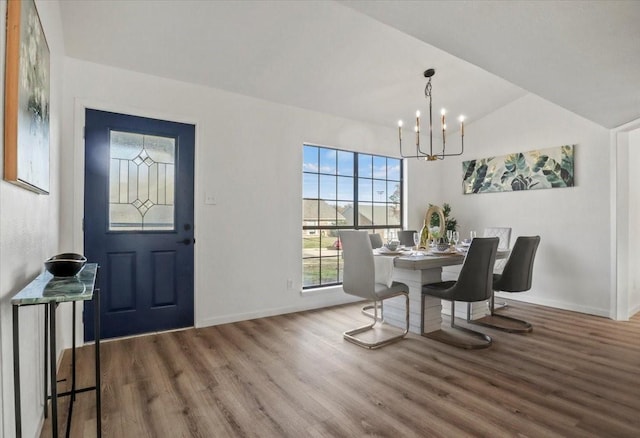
(46, 355)
(73, 353)
(16, 372)
(73, 368)
(52, 365)
(96, 311)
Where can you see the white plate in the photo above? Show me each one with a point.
(388, 252)
(446, 251)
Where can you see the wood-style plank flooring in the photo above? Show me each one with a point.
(294, 376)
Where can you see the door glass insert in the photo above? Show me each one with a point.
(141, 182)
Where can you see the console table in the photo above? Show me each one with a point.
(51, 291)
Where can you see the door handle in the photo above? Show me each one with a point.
(187, 241)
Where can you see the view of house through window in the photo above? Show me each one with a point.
(344, 190)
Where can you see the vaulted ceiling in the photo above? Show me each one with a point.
(364, 60)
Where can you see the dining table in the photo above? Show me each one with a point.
(415, 268)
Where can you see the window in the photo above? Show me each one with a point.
(344, 190)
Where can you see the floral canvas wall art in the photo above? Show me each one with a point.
(538, 169)
(27, 90)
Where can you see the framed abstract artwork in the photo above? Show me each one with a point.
(26, 110)
(540, 169)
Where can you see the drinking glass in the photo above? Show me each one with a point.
(416, 240)
(391, 236)
(449, 235)
(473, 235)
(456, 237)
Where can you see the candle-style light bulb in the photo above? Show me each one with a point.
(461, 118)
(400, 130)
(442, 113)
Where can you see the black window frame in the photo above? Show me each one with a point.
(355, 205)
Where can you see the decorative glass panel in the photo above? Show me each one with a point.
(141, 182)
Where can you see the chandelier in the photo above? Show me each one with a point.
(430, 155)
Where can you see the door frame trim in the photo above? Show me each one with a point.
(77, 237)
(620, 309)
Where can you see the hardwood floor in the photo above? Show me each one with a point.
(294, 376)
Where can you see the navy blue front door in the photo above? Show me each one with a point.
(138, 222)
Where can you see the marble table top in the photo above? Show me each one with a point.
(46, 288)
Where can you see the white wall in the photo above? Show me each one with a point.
(572, 269)
(634, 222)
(29, 234)
(249, 156)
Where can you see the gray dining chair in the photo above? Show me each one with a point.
(376, 240)
(504, 234)
(517, 276)
(473, 284)
(406, 237)
(359, 280)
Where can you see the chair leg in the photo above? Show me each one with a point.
(447, 338)
(516, 326)
(491, 303)
(350, 335)
(366, 310)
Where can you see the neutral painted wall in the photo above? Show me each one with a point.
(572, 268)
(29, 226)
(634, 222)
(249, 157)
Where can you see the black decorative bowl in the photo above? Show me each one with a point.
(65, 265)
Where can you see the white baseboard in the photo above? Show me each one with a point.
(226, 319)
(344, 299)
(556, 304)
